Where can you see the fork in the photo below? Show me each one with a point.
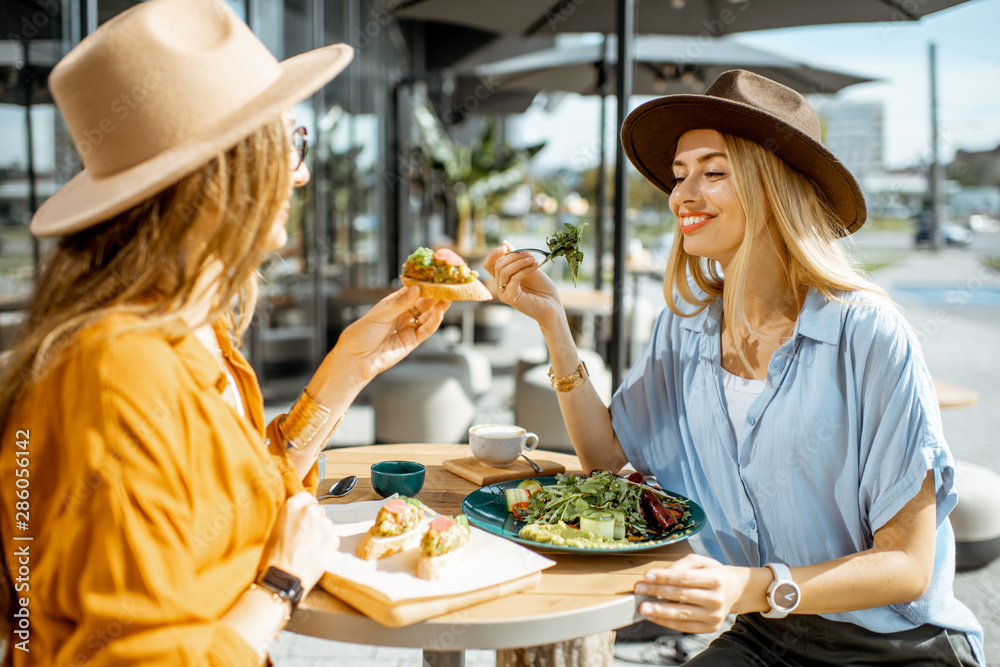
(544, 253)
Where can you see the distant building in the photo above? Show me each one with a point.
(974, 168)
(853, 132)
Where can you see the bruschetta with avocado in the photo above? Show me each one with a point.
(443, 274)
(399, 525)
(444, 545)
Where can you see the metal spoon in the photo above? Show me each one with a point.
(534, 465)
(341, 488)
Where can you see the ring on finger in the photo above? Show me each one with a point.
(503, 287)
(415, 312)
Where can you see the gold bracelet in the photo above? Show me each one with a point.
(277, 598)
(573, 381)
(303, 421)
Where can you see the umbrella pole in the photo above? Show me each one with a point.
(934, 171)
(32, 180)
(619, 343)
(602, 176)
(320, 242)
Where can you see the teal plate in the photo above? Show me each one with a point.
(487, 509)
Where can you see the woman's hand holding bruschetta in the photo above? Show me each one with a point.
(521, 285)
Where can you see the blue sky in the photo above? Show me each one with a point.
(968, 66)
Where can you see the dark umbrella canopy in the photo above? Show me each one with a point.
(711, 18)
(664, 65)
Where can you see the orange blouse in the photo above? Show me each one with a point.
(150, 501)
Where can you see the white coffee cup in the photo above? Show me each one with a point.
(500, 444)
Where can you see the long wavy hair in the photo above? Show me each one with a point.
(808, 241)
(150, 261)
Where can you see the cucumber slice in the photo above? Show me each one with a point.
(512, 496)
(531, 485)
(598, 522)
(619, 524)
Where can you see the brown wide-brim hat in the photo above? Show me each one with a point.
(753, 107)
(159, 90)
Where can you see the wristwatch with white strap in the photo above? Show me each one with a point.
(783, 593)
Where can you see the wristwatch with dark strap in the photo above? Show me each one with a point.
(783, 593)
(285, 586)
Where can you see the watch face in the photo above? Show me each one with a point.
(282, 583)
(786, 596)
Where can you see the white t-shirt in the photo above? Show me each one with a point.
(236, 392)
(738, 394)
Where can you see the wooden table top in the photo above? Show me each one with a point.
(580, 595)
(951, 395)
(580, 300)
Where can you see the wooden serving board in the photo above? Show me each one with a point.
(477, 472)
(391, 614)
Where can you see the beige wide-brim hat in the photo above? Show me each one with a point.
(158, 91)
(753, 107)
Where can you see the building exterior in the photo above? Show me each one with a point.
(350, 228)
(853, 131)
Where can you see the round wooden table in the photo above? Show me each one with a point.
(580, 595)
(951, 395)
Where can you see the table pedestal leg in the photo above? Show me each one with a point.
(444, 658)
(595, 650)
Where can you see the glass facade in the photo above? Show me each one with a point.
(348, 232)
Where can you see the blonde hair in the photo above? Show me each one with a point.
(143, 262)
(808, 232)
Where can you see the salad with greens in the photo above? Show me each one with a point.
(642, 512)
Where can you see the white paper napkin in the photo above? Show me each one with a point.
(490, 560)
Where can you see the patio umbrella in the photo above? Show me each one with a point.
(664, 65)
(701, 18)
(711, 18)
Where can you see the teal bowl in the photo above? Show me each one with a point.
(403, 477)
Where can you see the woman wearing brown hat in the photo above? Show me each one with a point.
(152, 517)
(782, 391)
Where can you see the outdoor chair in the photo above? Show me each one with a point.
(975, 519)
(536, 406)
(421, 402)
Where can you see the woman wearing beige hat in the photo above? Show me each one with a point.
(782, 391)
(152, 517)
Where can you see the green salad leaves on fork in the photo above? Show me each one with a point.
(563, 244)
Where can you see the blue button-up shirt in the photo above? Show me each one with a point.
(838, 442)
